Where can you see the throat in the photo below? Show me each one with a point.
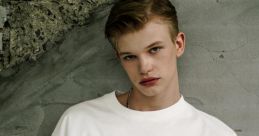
(150, 103)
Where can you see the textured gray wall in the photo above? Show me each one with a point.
(220, 68)
(218, 72)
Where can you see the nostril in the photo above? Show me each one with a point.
(145, 70)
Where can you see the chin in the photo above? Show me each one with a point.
(149, 91)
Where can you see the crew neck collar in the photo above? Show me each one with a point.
(169, 112)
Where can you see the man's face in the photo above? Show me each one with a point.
(149, 57)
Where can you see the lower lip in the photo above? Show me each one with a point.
(150, 83)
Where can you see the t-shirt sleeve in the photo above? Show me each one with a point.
(62, 127)
(72, 123)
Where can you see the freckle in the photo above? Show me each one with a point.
(217, 1)
(221, 56)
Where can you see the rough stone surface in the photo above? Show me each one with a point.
(218, 72)
(65, 75)
(34, 26)
(1, 43)
(3, 16)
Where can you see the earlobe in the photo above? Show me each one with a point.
(180, 44)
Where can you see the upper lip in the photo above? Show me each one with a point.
(144, 80)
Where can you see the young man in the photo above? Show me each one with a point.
(147, 41)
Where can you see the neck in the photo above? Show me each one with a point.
(141, 102)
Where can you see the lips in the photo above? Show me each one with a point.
(151, 81)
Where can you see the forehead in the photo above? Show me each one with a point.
(155, 30)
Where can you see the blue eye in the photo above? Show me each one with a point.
(129, 57)
(155, 50)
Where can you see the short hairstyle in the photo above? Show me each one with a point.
(131, 15)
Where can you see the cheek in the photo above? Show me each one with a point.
(167, 57)
(129, 68)
(167, 61)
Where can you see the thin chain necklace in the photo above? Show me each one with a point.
(128, 98)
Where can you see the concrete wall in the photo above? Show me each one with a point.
(218, 72)
(220, 66)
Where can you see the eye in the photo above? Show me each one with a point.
(129, 57)
(155, 50)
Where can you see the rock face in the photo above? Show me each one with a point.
(82, 67)
(3, 17)
(218, 72)
(35, 26)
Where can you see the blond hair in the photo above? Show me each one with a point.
(131, 15)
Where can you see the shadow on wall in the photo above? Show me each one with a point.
(82, 67)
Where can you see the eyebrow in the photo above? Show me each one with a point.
(149, 46)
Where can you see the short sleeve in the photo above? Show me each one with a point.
(62, 127)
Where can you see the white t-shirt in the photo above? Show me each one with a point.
(105, 116)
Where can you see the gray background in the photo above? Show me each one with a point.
(218, 72)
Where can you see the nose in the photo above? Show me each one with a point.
(145, 65)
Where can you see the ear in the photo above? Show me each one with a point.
(180, 44)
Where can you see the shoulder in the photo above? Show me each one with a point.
(213, 124)
(90, 106)
(216, 124)
(82, 115)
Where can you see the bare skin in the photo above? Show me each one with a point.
(149, 57)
